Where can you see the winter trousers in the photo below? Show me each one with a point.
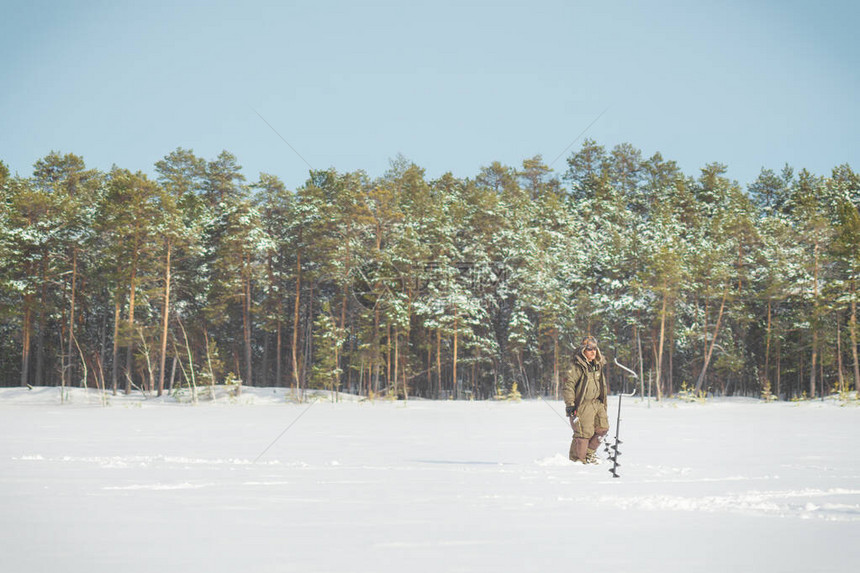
(589, 427)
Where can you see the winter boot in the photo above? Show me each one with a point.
(597, 438)
(591, 457)
(579, 450)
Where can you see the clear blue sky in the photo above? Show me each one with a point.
(450, 85)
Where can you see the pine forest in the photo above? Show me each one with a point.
(452, 288)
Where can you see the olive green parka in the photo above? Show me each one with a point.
(581, 375)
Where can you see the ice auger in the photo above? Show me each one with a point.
(613, 452)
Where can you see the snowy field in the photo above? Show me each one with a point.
(161, 486)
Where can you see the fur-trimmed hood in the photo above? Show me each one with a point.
(580, 359)
(580, 371)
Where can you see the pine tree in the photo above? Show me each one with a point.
(809, 211)
(127, 219)
(845, 252)
(75, 189)
(236, 244)
(183, 177)
(28, 214)
(275, 204)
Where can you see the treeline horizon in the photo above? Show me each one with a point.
(449, 288)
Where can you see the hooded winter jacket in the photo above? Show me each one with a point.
(585, 381)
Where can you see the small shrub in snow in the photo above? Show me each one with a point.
(513, 395)
(689, 394)
(766, 393)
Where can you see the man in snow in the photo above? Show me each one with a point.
(585, 398)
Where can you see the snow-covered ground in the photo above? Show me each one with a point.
(158, 485)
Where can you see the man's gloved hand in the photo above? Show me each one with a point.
(570, 411)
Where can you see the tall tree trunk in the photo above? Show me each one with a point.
(295, 341)
(404, 368)
(657, 384)
(130, 351)
(351, 347)
(115, 360)
(345, 292)
(237, 366)
(376, 350)
(396, 358)
(429, 368)
(812, 372)
(70, 347)
(246, 321)
(556, 378)
(823, 390)
(309, 338)
(279, 313)
(388, 376)
(456, 336)
(165, 319)
(853, 330)
(839, 354)
(641, 362)
(343, 333)
(767, 345)
(814, 365)
(172, 372)
(705, 322)
(439, 360)
(475, 389)
(263, 372)
(102, 356)
(278, 351)
(662, 337)
(42, 327)
(208, 359)
(800, 377)
(701, 378)
(336, 380)
(26, 333)
(670, 379)
(191, 368)
(778, 363)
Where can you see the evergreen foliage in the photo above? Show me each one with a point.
(449, 288)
